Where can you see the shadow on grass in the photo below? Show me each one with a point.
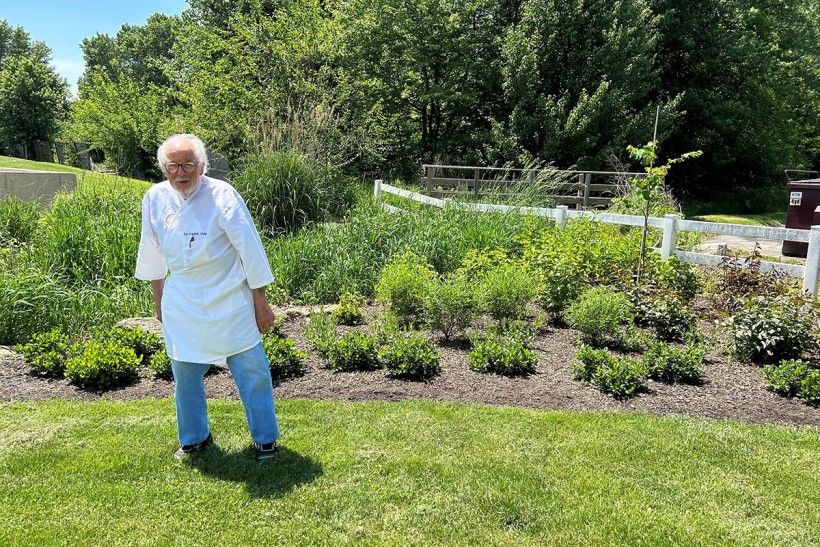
(269, 478)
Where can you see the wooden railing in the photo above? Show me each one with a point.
(564, 187)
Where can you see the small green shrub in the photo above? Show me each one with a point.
(505, 291)
(160, 365)
(809, 391)
(321, 332)
(403, 284)
(599, 314)
(786, 377)
(589, 361)
(18, 220)
(286, 360)
(618, 376)
(355, 350)
(668, 316)
(144, 343)
(560, 283)
(478, 262)
(668, 364)
(502, 355)
(46, 352)
(770, 329)
(102, 364)
(677, 277)
(385, 327)
(409, 355)
(622, 378)
(450, 306)
(349, 311)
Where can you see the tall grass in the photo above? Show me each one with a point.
(18, 220)
(318, 264)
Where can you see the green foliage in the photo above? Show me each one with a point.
(284, 191)
(321, 332)
(668, 364)
(478, 262)
(561, 282)
(160, 365)
(619, 376)
(677, 277)
(33, 97)
(18, 220)
(403, 284)
(102, 364)
(770, 329)
(409, 355)
(809, 391)
(506, 290)
(786, 377)
(144, 343)
(355, 350)
(450, 306)
(599, 314)
(501, 354)
(669, 317)
(46, 352)
(286, 360)
(350, 310)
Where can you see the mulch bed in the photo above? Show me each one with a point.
(732, 390)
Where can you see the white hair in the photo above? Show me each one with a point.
(196, 143)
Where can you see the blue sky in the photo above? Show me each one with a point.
(62, 24)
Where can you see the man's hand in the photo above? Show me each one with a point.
(264, 313)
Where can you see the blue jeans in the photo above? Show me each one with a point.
(252, 377)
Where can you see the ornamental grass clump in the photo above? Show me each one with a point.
(599, 314)
(668, 364)
(286, 360)
(355, 350)
(46, 352)
(403, 284)
(350, 311)
(411, 356)
(450, 306)
(321, 332)
(501, 354)
(18, 220)
(102, 364)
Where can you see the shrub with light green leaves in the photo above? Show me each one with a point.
(46, 352)
(355, 350)
(409, 355)
(599, 313)
(144, 343)
(321, 332)
(668, 364)
(809, 391)
(286, 360)
(770, 329)
(450, 306)
(677, 277)
(506, 290)
(618, 376)
(589, 360)
(349, 311)
(668, 316)
(403, 283)
(160, 365)
(501, 354)
(785, 377)
(102, 364)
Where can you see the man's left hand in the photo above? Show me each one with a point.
(264, 313)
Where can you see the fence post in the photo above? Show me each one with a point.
(561, 216)
(377, 190)
(579, 195)
(810, 274)
(670, 236)
(429, 171)
(476, 181)
(587, 181)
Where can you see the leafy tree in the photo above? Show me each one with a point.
(33, 99)
(580, 80)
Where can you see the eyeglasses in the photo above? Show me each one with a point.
(186, 167)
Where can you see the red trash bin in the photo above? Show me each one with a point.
(803, 213)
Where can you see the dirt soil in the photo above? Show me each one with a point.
(731, 390)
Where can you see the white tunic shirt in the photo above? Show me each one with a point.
(215, 256)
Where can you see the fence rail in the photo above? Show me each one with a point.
(670, 224)
(443, 181)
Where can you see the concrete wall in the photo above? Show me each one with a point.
(28, 185)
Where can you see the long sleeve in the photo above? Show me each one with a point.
(238, 225)
(150, 261)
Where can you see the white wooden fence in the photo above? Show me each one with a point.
(670, 224)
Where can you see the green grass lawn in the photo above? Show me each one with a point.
(82, 174)
(403, 473)
(774, 219)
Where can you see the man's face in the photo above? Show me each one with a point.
(182, 153)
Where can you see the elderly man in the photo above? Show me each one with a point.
(212, 305)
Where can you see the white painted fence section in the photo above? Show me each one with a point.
(670, 224)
